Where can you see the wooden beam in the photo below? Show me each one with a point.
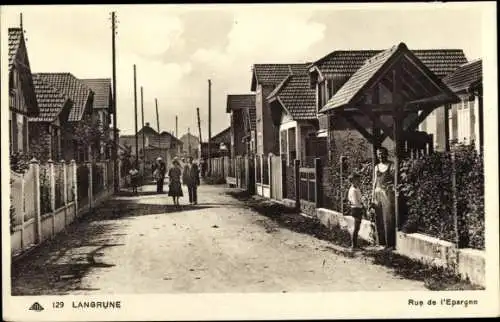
(447, 108)
(387, 130)
(358, 127)
(415, 80)
(414, 124)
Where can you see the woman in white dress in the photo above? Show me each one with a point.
(383, 198)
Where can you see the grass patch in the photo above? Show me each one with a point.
(434, 278)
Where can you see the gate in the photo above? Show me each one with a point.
(276, 177)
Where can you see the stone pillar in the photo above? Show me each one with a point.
(52, 194)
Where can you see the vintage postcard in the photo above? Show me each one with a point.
(249, 161)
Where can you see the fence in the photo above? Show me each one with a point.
(276, 166)
(220, 166)
(48, 197)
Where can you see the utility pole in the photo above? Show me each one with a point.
(143, 136)
(158, 125)
(114, 151)
(209, 123)
(135, 115)
(199, 128)
(176, 127)
(189, 142)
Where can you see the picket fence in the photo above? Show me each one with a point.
(48, 197)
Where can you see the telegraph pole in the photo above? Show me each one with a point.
(114, 151)
(199, 129)
(143, 137)
(176, 128)
(189, 142)
(158, 125)
(135, 115)
(209, 123)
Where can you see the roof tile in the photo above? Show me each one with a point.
(440, 61)
(464, 76)
(73, 88)
(297, 97)
(273, 74)
(102, 91)
(50, 101)
(15, 35)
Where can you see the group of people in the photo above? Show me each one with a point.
(382, 201)
(188, 175)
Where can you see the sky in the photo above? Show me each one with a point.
(177, 48)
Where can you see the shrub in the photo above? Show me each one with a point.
(426, 186)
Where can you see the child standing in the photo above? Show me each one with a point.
(134, 177)
(354, 197)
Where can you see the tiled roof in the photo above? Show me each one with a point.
(440, 61)
(102, 91)
(273, 74)
(298, 98)
(15, 35)
(73, 88)
(239, 101)
(222, 136)
(465, 76)
(167, 134)
(366, 73)
(50, 101)
(148, 130)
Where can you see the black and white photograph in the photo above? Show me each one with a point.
(284, 157)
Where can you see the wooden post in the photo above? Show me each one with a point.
(397, 119)
(480, 118)
(65, 191)
(454, 199)
(115, 127)
(23, 207)
(91, 188)
(75, 185)
(318, 172)
(447, 108)
(38, 211)
(341, 161)
(52, 194)
(297, 183)
(270, 174)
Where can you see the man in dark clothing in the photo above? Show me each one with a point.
(159, 170)
(191, 178)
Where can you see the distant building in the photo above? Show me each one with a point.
(190, 145)
(220, 145)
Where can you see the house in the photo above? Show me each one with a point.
(265, 78)
(102, 109)
(220, 145)
(461, 122)
(77, 138)
(190, 145)
(332, 72)
(393, 91)
(156, 145)
(241, 108)
(293, 109)
(22, 98)
(45, 129)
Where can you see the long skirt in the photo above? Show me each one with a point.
(386, 223)
(175, 189)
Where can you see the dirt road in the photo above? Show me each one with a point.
(143, 244)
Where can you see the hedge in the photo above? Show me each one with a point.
(426, 186)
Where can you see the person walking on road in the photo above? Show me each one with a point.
(134, 178)
(159, 170)
(191, 178)
(174, 186)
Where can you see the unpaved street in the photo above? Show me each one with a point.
(143, 244)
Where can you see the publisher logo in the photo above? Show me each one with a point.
(36, 307)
